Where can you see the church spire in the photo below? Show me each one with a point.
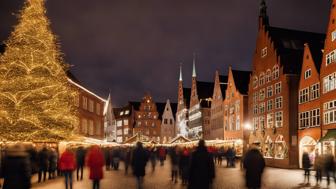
(194, 68)
(263, 18)
(180, 79)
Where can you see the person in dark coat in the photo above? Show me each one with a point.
(53, 158)
(80, 159)
(174, 158)
(95, 162)
(202, 168)
(16, 168)
(306, 164)
(139, 161)
(107, 154)
(127, 159)
(184, 164)
(329, 167)
(43, 164)
(254, 164)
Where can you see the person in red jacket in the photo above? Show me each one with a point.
(95, 162)
(67, 165)
(162, 155)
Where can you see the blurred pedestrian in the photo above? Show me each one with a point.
(184, 164)
(254, 165)
(80, 159)
(152, 157)
(16, 168)
(202, 168)
(95, 162)
(67, 165)
(329, 167)
(116, 154)
(318, 166)
(53, 158)
(127, 159)
(43, 164)
(162, 155)
(306, 164)
(107, 154)
(174, 157)
(139, 161)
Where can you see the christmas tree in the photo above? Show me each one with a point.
(36, 99)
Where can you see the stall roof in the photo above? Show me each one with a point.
(331, 135)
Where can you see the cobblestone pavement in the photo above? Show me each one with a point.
(230, 178)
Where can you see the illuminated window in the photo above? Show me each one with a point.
(262, 79)
(331, 57)
(275, 72)
(307, 74)
(90, 105)
(84, 102)
(98, 109)
(268, 76)
(264, 52)
(255, 82)
(91, 127)
(333, 35)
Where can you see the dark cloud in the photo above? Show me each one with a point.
(134, 46)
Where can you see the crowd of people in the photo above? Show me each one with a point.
(322, 165)
(193, 167)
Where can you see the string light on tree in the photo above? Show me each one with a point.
(36, 100)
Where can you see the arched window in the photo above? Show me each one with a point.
(262, 79)
(268, 75)
(275, 72)
(255, 82)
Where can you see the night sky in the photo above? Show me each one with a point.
(135, 46)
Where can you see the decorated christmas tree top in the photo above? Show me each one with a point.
(36, 100)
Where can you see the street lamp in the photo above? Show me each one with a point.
(247, 126)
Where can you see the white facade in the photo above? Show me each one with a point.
(109, 121)
(167, 124)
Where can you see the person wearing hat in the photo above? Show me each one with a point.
(16, 168)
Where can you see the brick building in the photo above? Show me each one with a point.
(309, 100)
(147, 122)
(235, 108)
(328, 86)
(90, 111)
(273, 90)
(124, 120)
(217, 107)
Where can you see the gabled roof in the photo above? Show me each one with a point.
(72, 77)
(223, 79)
(205, 91)
(241, 80)
(289, 44)
(317, 54)
(117, 111)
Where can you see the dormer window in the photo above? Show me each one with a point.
(264, 52)
(307, 74)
